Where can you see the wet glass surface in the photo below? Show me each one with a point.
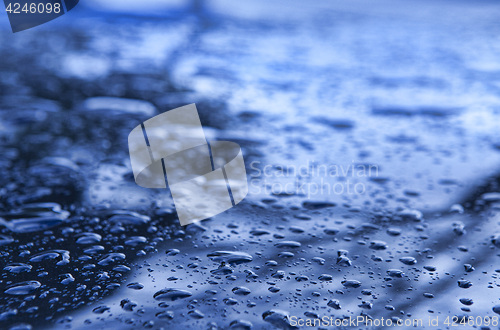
(371, 141)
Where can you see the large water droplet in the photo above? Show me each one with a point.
(171, 294)
(17, 268)
(288, 244)
(408, 260)
(23, 288)
(88, 238)
(50, 255)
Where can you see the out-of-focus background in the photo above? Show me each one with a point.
(317, 93)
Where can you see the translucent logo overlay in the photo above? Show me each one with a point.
(204, 178)
(25, 14)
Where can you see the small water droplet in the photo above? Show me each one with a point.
(408, 260)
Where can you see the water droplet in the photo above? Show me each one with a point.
(312, 205)
(259, 232)
(17, 268)
(496, 240)
(88, 238)
(395, 273)
(118, 105)
(135, 286)
(378, 245)
(240, 325)
(464, 284)
(288, 244)
(251, 274)
(334, 303)
(278, 274)
(344, 261)
(128, 218)
(469, 268)
(52, 254)
(223, 269)
(408, 260)
(331, 231)
(110, 258)
(241, 291)
(67, 279)
(23, 288)
(136, 240)
(302, 216)
(365, 305)
(319, 260)
(231, 257)
(21, 326)
(301, 278)
(172, 252)
(128, 305)
(149, 324)
(286, 254)
(171, 294)
(34, 217)
(394, 231)
(457, 208)
(196, 314)
(100, 309)
(165, 315)
(414, 215)
(94, 249)
(491, 197)
(325, 277)
(466, 301)
(230, 301)
(459, 228)
(31, 224)
(121, 269)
